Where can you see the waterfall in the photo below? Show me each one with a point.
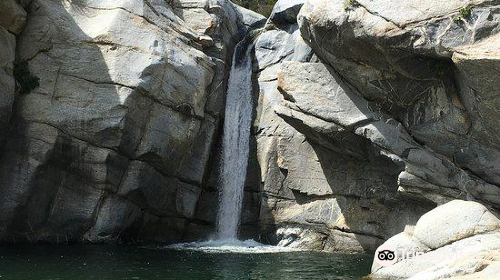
(237, 124)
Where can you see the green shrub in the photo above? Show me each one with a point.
(464, 13)
(263, 7)
(348, 4)
(25, 80)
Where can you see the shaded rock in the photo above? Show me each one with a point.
(7, 81)
(160, 229)
(160, 195)
(12, 16)
(286, 11)
(49, 180)
(341, 221)
(72, 212)
(317, 171)
(115, 216)
(480, 93)
(12, 21)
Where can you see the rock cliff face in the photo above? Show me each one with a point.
(12, 21)
(115, 142)
(412, 67)
(323, 187)
(392, 118)
(368, 114)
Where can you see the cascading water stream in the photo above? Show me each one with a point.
(237, 124)
(235, 152)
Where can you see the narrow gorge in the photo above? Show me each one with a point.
(333, 126)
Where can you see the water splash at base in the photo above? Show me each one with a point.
(230, 246)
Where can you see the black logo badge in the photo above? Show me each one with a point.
(386, 255)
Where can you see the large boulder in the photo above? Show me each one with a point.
(458, 240)
(449, 223)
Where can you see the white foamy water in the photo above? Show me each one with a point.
(230, 246)
(237, 123)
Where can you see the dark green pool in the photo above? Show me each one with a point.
(78, 262)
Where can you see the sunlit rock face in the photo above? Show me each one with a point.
(372, 113)
(422, 68)
(115, 142)
(453, 244)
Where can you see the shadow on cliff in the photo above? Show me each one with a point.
(363, 183)
(72, 138)
(366, 187)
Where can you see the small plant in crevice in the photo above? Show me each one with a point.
(26, 81)
(464, 13)
(263, 7)
(348, 4)
(442, 68)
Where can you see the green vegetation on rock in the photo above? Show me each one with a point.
(464, 13)
(348, 4)
(26, 81)
(263, 7)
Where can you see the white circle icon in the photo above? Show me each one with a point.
(386, 255)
